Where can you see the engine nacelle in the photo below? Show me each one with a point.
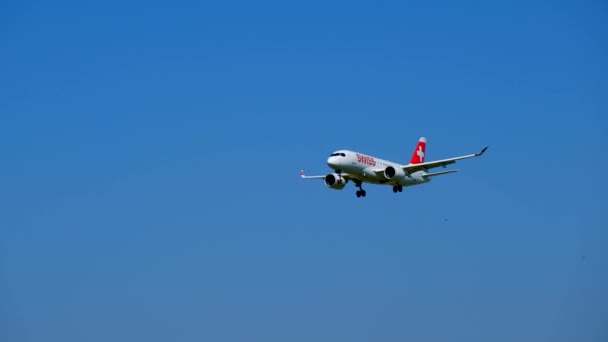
(391, 173)
(335, 181)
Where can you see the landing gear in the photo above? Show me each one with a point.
(360, 192)
(397, 188)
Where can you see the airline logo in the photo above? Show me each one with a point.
(418, 156)
(366, 160)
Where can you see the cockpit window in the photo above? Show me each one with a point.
(343, 155)
(338, 154)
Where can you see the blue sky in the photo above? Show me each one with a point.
(150, 157)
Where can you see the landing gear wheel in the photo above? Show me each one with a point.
(360, 192)
(400, 188)
(395, 188)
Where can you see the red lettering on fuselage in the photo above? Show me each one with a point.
(366, 160)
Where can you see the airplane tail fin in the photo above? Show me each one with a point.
(418, 156)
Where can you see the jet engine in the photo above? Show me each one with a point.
(393, 173)
(335, 181)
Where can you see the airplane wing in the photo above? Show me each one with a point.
(444, 162)
(303, 176)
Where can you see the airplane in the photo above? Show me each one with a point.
(360, 168)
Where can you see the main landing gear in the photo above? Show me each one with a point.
(397, 188)
(360, 192)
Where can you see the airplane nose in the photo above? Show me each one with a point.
(331, 162)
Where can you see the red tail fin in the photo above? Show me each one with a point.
(418, 156)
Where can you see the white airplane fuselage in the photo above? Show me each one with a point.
(361, 167)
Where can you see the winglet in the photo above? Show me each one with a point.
(302, 173)
(481, 152)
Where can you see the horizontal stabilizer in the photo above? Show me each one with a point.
(439, 173)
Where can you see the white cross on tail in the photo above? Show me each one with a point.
(420, 154)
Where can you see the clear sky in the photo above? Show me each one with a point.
(150, 158)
